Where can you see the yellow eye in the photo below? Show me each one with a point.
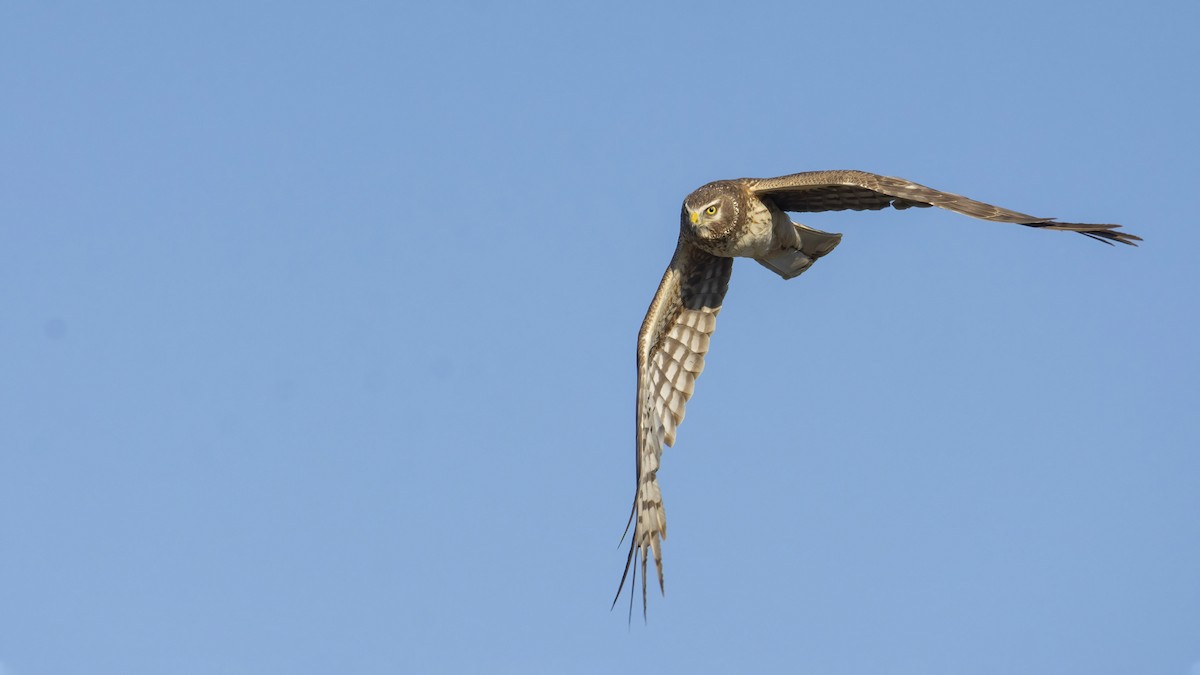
(712, 210)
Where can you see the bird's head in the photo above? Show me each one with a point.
(711, 212)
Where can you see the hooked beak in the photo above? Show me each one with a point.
(695, 217)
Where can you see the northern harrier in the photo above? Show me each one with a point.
(746, 218)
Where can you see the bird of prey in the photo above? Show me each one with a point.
(747, 217)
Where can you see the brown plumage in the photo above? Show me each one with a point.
(747, 217)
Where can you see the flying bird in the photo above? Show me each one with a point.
(747, 218)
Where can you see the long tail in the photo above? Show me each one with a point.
(814, 243)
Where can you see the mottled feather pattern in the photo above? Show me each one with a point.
(671, 348)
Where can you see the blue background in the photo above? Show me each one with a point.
(317, 339)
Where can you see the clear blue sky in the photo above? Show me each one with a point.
(317, 339)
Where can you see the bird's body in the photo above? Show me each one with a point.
(747, 217)
(756, 228)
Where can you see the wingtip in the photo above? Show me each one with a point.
(1105, 233)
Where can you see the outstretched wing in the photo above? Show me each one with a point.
(670, 355)
(862, 191)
